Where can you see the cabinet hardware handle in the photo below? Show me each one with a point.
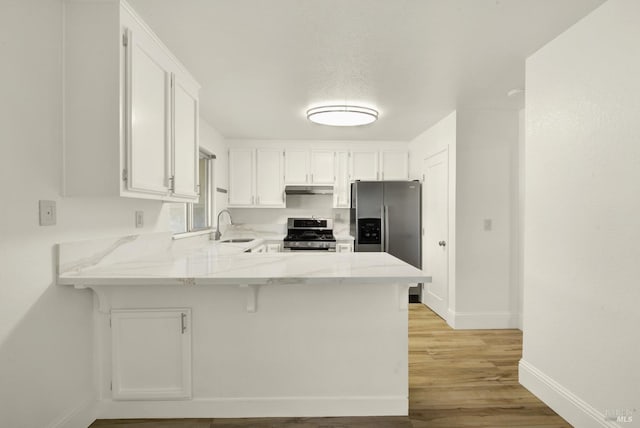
(306, 178)
(183, 322)
(312, 178)
(442, 243)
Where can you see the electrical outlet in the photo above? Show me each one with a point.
(47, 211)
(139, 219)
(488, 224)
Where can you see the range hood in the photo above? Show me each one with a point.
(309, 189)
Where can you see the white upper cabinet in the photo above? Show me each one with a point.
(297, 166)
(364, 165)
(322, 167)
(256, 178)
(185, 138)
(342, 186)
(394, 165)
(148, 126)
(270, 177)
(131, 122)
(241, 177)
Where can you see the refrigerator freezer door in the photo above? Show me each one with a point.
(367, 205)
(402, 206)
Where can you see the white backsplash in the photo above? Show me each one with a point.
(297, 206)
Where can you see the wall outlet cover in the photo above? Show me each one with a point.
(48, 215)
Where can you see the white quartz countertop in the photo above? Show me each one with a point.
(153, 260)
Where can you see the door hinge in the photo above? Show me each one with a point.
(125, 39)
(198, 189)
(125, 175)
(172, 183)
(111, 386)
(183, 322)
(422, 177)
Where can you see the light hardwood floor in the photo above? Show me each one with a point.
(457, 378)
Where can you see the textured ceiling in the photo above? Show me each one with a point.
(263, 63)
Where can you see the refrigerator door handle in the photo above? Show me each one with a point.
(383, 242)
(385, 246)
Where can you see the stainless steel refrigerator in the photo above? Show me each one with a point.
(386, 216)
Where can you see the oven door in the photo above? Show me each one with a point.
(308, 246)
(309, 250)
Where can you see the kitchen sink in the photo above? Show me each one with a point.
(235, 241)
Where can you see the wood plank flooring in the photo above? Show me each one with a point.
(457, 378)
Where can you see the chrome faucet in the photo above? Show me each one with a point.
(218, 234)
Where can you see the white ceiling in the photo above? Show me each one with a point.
(263, 63)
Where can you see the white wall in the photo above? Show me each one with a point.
(519, 172)
(581, 314)
(212, 141)
(483, 282)
(46, 362)
(439, 137)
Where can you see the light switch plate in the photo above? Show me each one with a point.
(47, 213)
(139, 219)
(488, 224)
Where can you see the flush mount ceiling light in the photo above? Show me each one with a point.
(342, 115)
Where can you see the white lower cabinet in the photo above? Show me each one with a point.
(151, 354)
(344, 247)
(274, 248)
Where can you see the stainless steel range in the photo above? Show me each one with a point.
(309, 234)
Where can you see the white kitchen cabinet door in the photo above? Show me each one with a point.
(344, 248)
(342, 186)
(296, 166)
(322, 167)
(121, 142)
(270, 178)
(185, 140)
(241, 177)
(274, 248)
(151, 354)
(148, 114)
(394, 165)
(364, 165)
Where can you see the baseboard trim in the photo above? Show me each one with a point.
(576, 411)
(256, 407)
(482, 320)
(80, 416)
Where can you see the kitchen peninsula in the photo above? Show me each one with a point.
(204, 329)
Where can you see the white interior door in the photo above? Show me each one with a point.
(436, 234)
